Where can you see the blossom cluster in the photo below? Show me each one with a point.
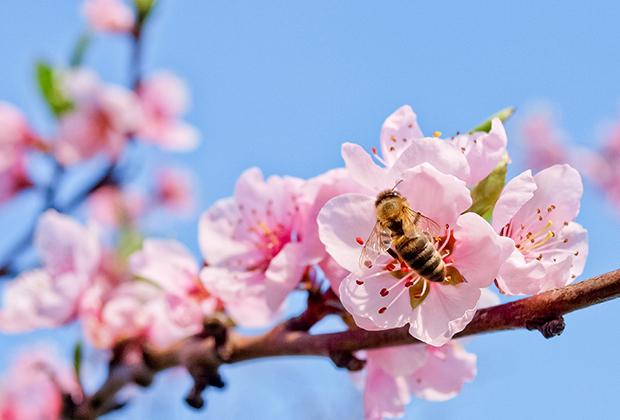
(279, 234)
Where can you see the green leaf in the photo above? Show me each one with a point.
(130, 241)
(77, 359)
(47, 79)
(503, 115)
(79, 50)
(144, 9)
(485, 194)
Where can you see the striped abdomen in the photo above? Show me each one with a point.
(421, 256)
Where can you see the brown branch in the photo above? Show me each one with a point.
(543, 312)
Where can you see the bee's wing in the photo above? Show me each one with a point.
(415, 223)
(377, 243)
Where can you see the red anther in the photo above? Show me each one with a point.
(374, 150)
(359, 240)
(409, 283)
(381, 310)
(360, 282)
(390, 266)
(384, 292)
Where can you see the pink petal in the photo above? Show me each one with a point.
(444, 374)
(216, 234)
(334, 272)
(487, 299)
(559, 185)
(108, 15)
(398, 132)
(172, 318)
(384, 395)
(284, 274)
(515, 194)
(37, 300)
(446, 311)
(576, 238)
(399, 360)
(366, 300)
(66, 246)
(363, 169)
(442, 155)
(344, 222)
(518, 277)
(485, 151)
(436, 195)
(167, 263)
(243, 294)
(479, 252)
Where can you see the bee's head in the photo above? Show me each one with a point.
(389, 203)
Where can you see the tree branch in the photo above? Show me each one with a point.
(543, 312)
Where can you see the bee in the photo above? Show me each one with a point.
(406, 235)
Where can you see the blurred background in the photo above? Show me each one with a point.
(280, 85)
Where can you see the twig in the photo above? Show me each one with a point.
(540, 310)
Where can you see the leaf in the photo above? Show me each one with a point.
(129, 242)
(486, 193)
(77, 359)
(49, 87)
(503, 115)
(144, 9)
(79, 50)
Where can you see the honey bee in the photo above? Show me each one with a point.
(405, 234)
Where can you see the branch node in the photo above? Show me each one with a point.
(346, 360)
(548, 328)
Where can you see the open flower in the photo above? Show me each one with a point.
(161, 302)
(164, 99)
(251, 244)
(112, 207)
(104, 116)
(403, 146)
(50, 296)
(108, 15)
(389, 294)
(432, 373)
(537, 213)
(34, 386)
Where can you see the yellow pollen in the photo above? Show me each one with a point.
(436, 133)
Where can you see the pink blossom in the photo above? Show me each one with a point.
(251, 244)
(483, 151)
(164, 98)
(34, 386)
(543, 141)
(13, 179)
(163, 303)
(404, 146)
(537, 213)
(15, 136)
(49, 297)
(174, 189)
(431, 373)
(108, 15)
(379, 298)
(112, 207)
(104, 116)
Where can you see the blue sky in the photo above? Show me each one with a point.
(280, 85)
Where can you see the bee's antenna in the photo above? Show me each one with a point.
(397, 184)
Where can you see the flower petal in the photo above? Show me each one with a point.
(284, 274)
(384, 395)
(436, 195)
(479, 252)
(398, 132)
(485, 151)
(442, 155)
(518, 277)
(515, 194)
(363, 169)
(399, 360)
(446, 311)
(444, 374)
(344, 222)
